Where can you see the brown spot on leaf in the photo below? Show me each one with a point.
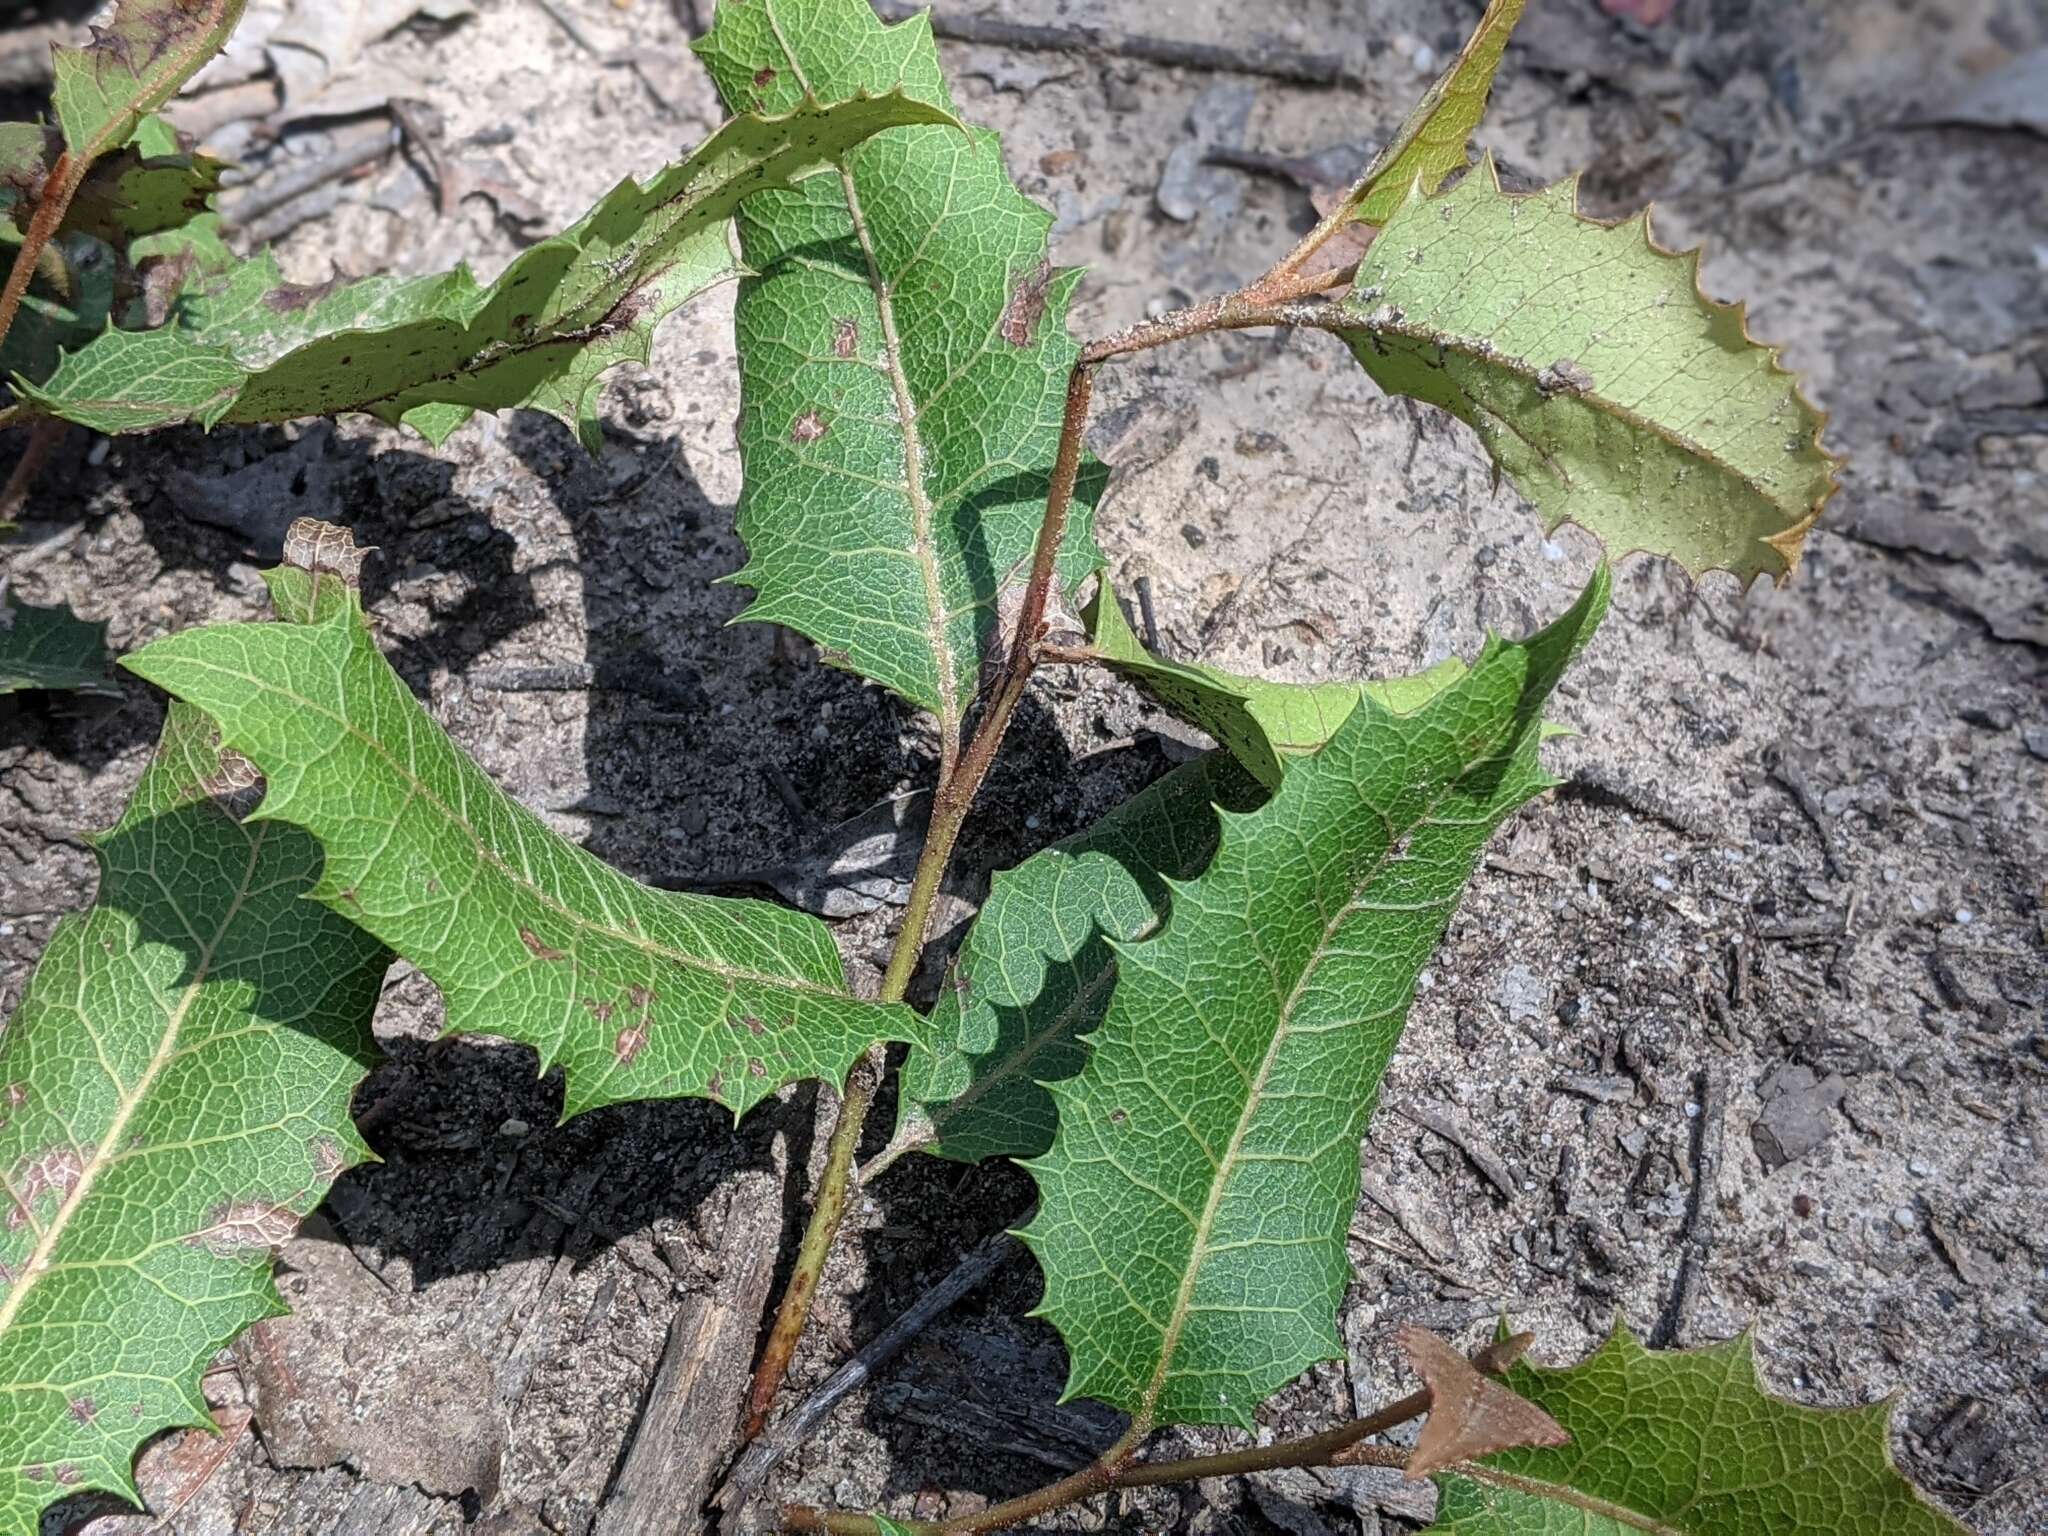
(328, 1158)
(83, 1410)
(846, 337)
(764, 76)
(54, 1171)
(67, 1474)
(1469, 1415)
(234, 776)
(754, 1026)
(756, 1067)
(807, 428)
(236, 1229)
(716, 1085)
(629, 1044)
(1027, 306)
(290, 298)
(1564, 377)
(537, 949)
(317, 548)
(642, 998)
(599, 1009)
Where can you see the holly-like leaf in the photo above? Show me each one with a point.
(637, 993)
(1193, 1207)
(1431, 142)
(148, 185)
(1686, 1443)
(1034, 975)
(1606, 386)
(1262, 724)
(428, 350)
(51, 648)
(903, 368)
(174, 1096)
(132, 66)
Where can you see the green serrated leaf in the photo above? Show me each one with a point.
(1035, 972)
(1431, 142)
(1686, 1443)
(1193, 1207)
(1606, 386)
(51, 648)
(132, 66)
(129, 194)
(903, 367)
(428, 350)
(637, 993)
(1262, 724)
(174, 1096)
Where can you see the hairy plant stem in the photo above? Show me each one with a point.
(55, 200)
(960, 781)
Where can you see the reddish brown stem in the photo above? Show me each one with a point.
(58, 190)
(43, 435)
(952, 801)
(1115, 1470)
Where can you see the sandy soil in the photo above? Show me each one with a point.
(1797, 878)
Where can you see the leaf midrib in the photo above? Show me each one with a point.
(1560, 1493)
(39, 1258)
(1483, 353)
(1255, 1094)
(730, 974)
(937, 615)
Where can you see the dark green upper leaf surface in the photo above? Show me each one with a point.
(637, 993)
(903, 365)
(174, 1096)
(51, 648)
(1194, 1204)
(1605, 385)
(427, 350)
(1686, 1443)
(1035, 972)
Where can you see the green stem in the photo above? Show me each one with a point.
(954, 798)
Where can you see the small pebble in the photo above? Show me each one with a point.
(1919, 1167)
(1905, 1218)
(514, 1128)
(1965, 915)
(1802, 1206)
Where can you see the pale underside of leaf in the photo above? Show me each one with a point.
(1034, 975)
(1604, 384)
(174, 1096)
(1194, 1204)
(428, 350)
(637, 993)
(903, 362)
(1686, 1443)
(1264, 725)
